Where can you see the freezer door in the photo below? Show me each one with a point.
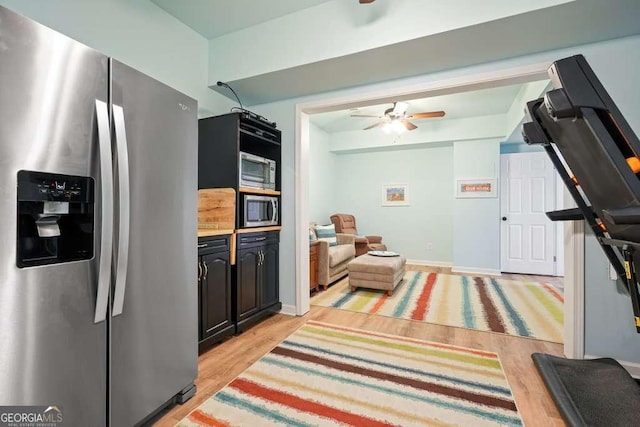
(51, 351)
(154, 334)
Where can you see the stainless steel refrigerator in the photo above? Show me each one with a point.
(98, 207)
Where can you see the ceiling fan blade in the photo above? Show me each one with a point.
(366, 115)
(366, 1)
(426, 115)
(375, 125)
(408, 124)
(399, 108)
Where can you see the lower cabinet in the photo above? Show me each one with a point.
(257, 287)
(214, 291)
(313, 265)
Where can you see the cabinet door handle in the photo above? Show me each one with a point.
(199, 271)
(260, 239)
(206, 269)
(202, 245)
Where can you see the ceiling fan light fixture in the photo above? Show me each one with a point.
(396, 119)
(397, 126)
(394, 126)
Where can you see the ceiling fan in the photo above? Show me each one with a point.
(366, 1)
(397, 119)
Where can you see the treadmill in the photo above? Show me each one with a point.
(597, 155)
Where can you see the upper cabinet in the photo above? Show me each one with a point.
(223, 139)
(241, 151)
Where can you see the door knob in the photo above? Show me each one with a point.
(504, 218)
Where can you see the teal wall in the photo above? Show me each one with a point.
(476, 221)
(138, 33)
(609, 322)
(421, 231)
(620, 79)
(323, 184)
(337, 28)
(519, 147)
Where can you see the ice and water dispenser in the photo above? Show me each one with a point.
(55, 218)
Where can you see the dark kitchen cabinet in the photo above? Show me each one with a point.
(214, 291)
(248, 268)
(255, 271)
(257, 290)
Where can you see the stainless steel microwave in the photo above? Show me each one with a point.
(259, 211)
(257, 172)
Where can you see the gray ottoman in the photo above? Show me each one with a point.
(376, 272)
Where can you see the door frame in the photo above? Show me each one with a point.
(390, 94)
(558, 235)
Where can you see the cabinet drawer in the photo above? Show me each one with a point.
(212, 244)
(257, 239)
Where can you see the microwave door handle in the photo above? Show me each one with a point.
(106, 189)
(274, 215)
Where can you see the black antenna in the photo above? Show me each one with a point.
(233, 91)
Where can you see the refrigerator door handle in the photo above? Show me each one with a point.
(124, 213)
(106, 238)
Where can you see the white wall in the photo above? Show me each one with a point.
(138, 33)
(322, 179)
(421, 231)
(476, 222)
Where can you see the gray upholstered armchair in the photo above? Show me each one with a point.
(346, 223)
(333, 260)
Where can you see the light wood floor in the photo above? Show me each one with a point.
(224, 362)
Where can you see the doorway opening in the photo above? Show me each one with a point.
(390, 95)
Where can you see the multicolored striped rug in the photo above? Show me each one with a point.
(525, 309)
(331, 375)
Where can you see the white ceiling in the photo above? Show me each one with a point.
(213, 18)
(460, 105)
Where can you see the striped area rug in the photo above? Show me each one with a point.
(329, 375)
(527, 309)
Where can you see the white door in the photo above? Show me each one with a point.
(527, 191)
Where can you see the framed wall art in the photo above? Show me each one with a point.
(395, 195)
(476, 188)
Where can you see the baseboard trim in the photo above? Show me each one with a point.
(429, 263)
(476, 270)
(289, 310)
(632, 367)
